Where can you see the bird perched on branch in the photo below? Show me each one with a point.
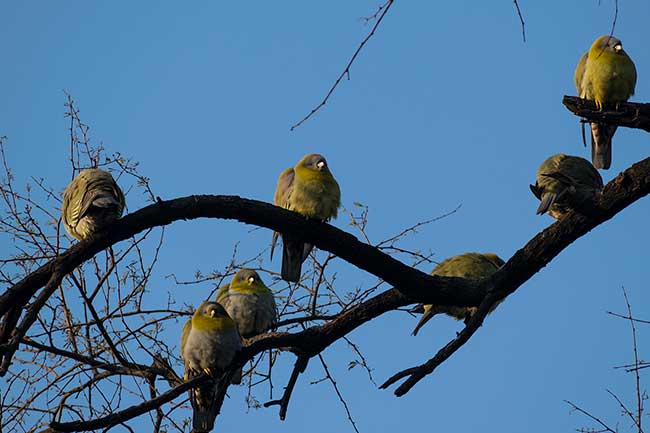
(565, 182)
(606, 75)
(249, 303)
(469, 265)
(90, 202)
(209, 343)
(309, 189)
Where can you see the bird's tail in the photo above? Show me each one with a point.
(601, 144)
(546, 202)
(105, 201)
(428, 314)
(273, 241)
(203, 421)
(204, 407)
(236, 377)
(294, 252)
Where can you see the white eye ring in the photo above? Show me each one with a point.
(618, 47)
(320, 164)
(251, 280)
(212, 313)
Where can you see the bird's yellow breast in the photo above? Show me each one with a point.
(207, 323)
(249, 289)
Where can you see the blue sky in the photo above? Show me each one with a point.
(446, 106)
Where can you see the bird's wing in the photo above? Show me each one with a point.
(580, 72)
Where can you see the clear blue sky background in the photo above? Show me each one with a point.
(446, 106)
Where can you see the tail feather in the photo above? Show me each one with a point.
(546, 202)
(105, 201)
(601, 144)
(273, 242)
(292, 258)
(203, 420)
(306, 250)
(428, 314)
(236, 377)
(204, 411)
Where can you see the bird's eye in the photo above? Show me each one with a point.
(213, 312)
(320, 164)
(251, 280)
(618, 47)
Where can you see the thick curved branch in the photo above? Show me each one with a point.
(128, 413)
(625, 189)
(628, 114)
(445, 290)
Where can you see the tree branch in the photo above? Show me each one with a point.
(383, 10)
(616, 196)
(298, 368)
(628, 114)
(625, 189)
(128, 413)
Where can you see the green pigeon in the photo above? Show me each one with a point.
(209, 343)
(469, 265)
(249, 302)
(309, 189)
(606, 75)
(90, 202)
(564, 183)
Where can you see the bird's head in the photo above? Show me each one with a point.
(212, 317)
(314, 161)
(496, 260)
(609, 44)
(246, 278)
(211, 310)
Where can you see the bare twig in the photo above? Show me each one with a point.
(298, 368)
(596, 419)
(346, 70)
(521, 20)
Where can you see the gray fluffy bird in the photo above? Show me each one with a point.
(90, 202)
(564, 183)
(209, 343)
(249, 302)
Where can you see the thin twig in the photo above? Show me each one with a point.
(521, 20)
(605, 426)
(346, 71)
(338, 392)
(298, 368)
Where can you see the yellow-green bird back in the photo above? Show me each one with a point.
(469, 265)
(606, 75)
(90, 202)
(564, 183)
(311, 190)
(209, 342)
(249, 302)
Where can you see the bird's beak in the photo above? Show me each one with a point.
(618, 48)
